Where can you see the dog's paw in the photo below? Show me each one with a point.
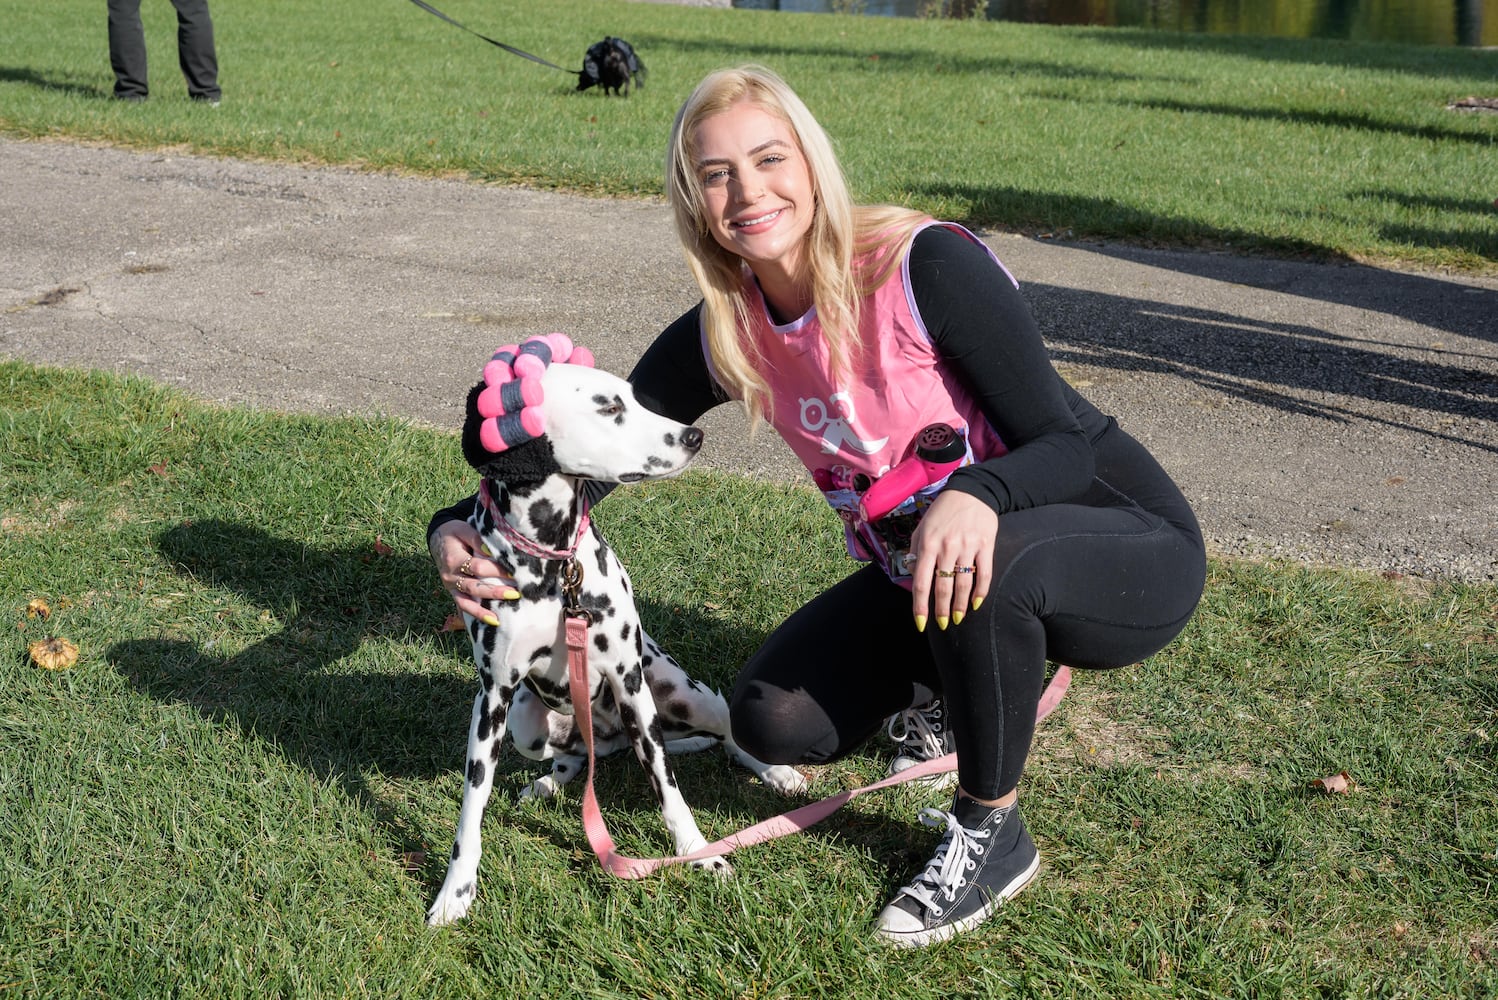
(541, 788)
(718, 866)
(451, 905)
(785, 779)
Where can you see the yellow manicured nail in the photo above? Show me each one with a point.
(491, 621)
(957, 618)
(977, 601)
(920, 623)
(510, 594)
(941, 622)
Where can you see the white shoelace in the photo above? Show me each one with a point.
(948, 868)
(912, 730)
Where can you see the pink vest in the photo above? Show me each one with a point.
(850, 432)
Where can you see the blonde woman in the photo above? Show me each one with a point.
(1039, 530)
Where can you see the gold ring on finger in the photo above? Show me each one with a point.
(466, 563)
(460, 584)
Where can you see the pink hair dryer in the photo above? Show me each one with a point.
(939, 451)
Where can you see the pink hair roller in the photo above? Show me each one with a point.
(510, 397)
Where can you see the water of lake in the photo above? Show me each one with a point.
(1422, 22)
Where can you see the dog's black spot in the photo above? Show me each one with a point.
(670, 439)
(633, 680)
(476, 773)
(677, 709)
(603, 559)
(598, 606)
(552, 528)
(466, 890)
(656, 462)
(606, 700)
(542, 653)
(537, 744)
(456, 851)
(639, 641)
(482, 730)
(601, 641)
(662, 690)
(646, 661)
(495, 749)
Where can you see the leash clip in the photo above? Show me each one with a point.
(572, 591)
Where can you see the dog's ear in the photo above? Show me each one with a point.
(520, 465)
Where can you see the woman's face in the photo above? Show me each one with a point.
(757, 190)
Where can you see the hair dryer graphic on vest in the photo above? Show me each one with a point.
(939, 451)
(511, 401)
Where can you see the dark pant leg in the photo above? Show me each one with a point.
(826, 679)
(195, 51)
(127, 48)
(1090, 587)
(1098, 584)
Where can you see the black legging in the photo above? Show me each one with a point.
(1100, 583)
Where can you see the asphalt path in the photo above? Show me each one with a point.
(1334, 414)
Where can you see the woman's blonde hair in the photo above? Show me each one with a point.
(840, 234)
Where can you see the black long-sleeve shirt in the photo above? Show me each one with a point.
(983, 329)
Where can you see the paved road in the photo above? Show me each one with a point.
(1336, 414)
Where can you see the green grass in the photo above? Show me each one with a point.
(1325, 149)
(247, 784)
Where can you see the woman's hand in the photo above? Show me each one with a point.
(469, 575)
(953, 546)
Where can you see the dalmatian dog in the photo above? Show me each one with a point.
(543, 422)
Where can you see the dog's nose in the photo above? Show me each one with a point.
(691, 439)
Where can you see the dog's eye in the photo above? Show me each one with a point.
(612, 409)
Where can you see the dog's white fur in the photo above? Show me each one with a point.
(596, 430)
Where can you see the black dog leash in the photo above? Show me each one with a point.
(508, 48)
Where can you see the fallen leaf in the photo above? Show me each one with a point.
(453, 623)
(37, 608)
(53, 653)
(159, 468)
(381, 549)
(1336, 784)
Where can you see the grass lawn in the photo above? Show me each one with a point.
(247, 783)
(1317, 148)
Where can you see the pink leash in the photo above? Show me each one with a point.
(778, 826)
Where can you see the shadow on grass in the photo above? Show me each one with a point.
(17, 74)
(1432, 61)
(1319, 119)
(341, 724)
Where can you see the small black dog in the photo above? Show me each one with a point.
(612, 65)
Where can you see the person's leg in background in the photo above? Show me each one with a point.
(127, 50)
(195, 50)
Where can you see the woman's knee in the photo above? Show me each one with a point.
(778, 726)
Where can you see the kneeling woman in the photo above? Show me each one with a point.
(851, 330)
